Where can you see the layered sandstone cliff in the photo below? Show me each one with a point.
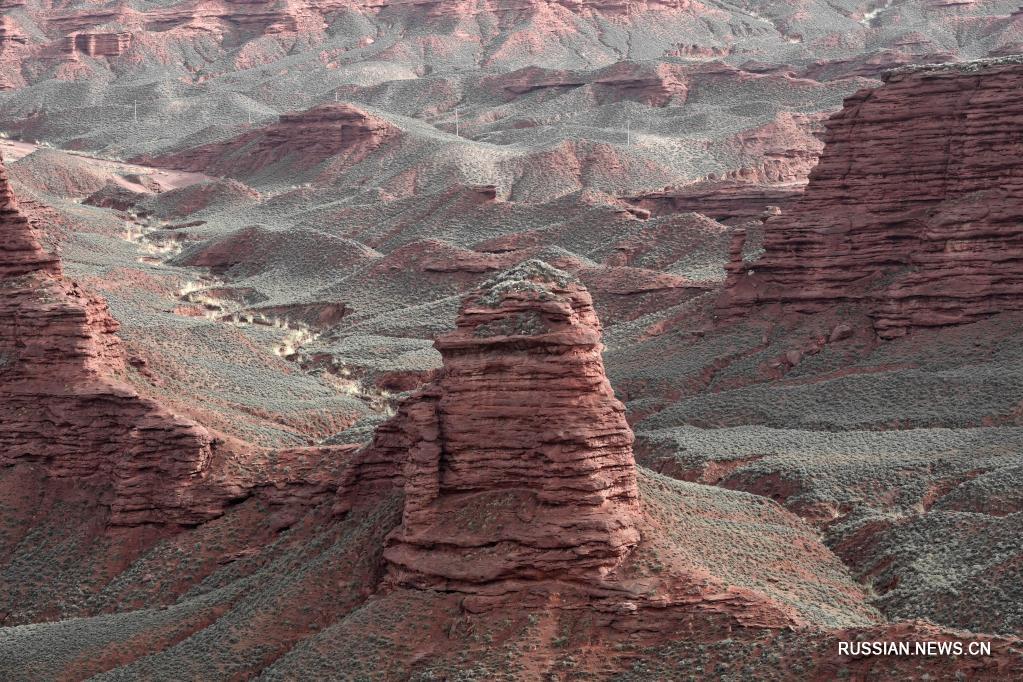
(60, 401)
(516, 463)
(11, 35)
(98, 44)
(20, 251)
(915, 210)
(727, 200)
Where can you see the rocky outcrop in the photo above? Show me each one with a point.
(62, 405)
(776, 159)
(656, 86)
(11, 34)
(872, 65)
(728, 200)
(20, 251)
(915, 210)
(697, 51)
(13, 48)
(299, 140)
(98, 44)
(516, 463)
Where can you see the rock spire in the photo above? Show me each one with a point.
(516, 463)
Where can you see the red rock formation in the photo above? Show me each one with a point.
(516, 462)
(776, 158)
(783, 151)
(243, 17)
(61, 404)
(13, 48)
(301, 140)
(871, 65)
(914, 211)
(20, 251)
(98, 44)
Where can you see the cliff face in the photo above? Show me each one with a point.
(61, 404)
(727, 200)
(915, 210)
(516, 464)
(20, 251)
(98, 44)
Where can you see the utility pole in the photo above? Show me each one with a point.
(136, 105)
(336, 97)
(456, 123)
(628, 132)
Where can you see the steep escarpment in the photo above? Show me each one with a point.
(915, 210)
(97, 44)
(20, 251)
(517, 462)
(62, 405)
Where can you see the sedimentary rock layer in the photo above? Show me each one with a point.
(20, 251)
(915, 210)
(655, 86)
(726, 200)
(516, 463)
(337, 132)
(98, 44)
(60, 401)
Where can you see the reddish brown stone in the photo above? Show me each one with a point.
(915, 210)
(721, 200)
(656, 86)
(98, 44)
(60, 401)
(516, 462)
(20, 252)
